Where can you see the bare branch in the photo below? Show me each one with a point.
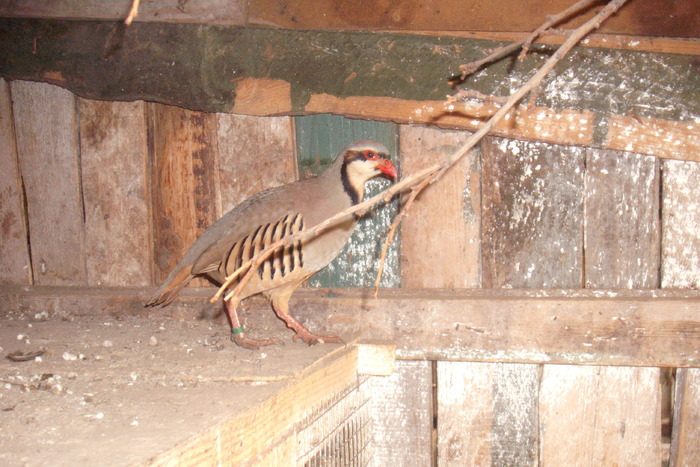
(432, 173)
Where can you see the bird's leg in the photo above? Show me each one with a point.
(281, 306)
(237, 333)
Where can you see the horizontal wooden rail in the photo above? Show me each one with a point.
(632, 328)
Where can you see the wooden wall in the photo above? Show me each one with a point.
(112, 193)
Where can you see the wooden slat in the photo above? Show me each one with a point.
(532, 214)
(685, 445)
(622, 224)
(177, 11)
(255, 153)
(630, 328)
(402, 415)
(680, 211)
(600, 416)
(440, 237)
(184, 181)
(663, 138)
(114, 160)
(15, 264)
(47, 144)
(644, 17)
(320, 138)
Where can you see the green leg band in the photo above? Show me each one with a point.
(237, 330)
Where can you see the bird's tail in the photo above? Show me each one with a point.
(172, 286)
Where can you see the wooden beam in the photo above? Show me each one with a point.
(584, 101)
(597, 327)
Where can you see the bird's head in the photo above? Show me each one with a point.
(361, 162)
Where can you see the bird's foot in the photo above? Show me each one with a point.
(253, 344)
(312, 339)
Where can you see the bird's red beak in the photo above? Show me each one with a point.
(387, 168)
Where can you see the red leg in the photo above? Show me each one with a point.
(280, 304)
(239, 337)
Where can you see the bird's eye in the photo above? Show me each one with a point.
(371, 156)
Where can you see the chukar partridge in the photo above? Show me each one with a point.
(267, 217)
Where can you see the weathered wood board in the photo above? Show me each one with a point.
(601, 85)
(114, 176)
(532, 214)
(680, 211)
(441, 235)
(685, 444)
(254, 154)
(599, 416)
(320, 138)
(622, 224)
(487, 414)
(644, 17)
(15, 264)
(176, 11)
(184, 181)
(402, 412)
(48, 149)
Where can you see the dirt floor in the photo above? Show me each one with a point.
(111, 390)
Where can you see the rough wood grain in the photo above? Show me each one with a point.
(622, 224)
(440, 237)
(402, 415)
(680, 211)
(600, 416)
(47, 145)
(630, 328)
(487, 414)
(15, 264)
(114, 161)
(532, 214)
(685, 444)
(184, 181)
(177, 11)
(255, 153)
(644, 17)
(667, 139)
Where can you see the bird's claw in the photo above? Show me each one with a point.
(253, 344)
(313, 339)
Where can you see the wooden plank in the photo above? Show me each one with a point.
(597, 327)
(622, 224)
(440, 237)
(48, 149)
(685, 445)
(15, 264)
(663, 138)
(600, 416)
(532, 214)
(255, 153)
(376, 77)
(189, 11)
(680, 211)
(184, 181)
(114, 159)
(402, 411)
(320, 138)
(643, 17)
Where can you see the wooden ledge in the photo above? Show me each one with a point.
(597, 327)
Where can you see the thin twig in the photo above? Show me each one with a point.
(433, 172)
(501, 52)
(395, 223)
(133, 13)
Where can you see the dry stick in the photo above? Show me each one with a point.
(437, 169)
(506, 50)
(133, 13)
